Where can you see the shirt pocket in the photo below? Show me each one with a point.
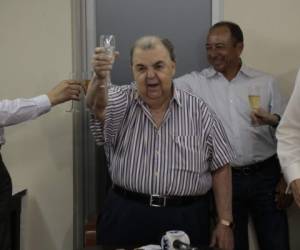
(188, 142)
(189, 153)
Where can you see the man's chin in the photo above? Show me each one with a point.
(219, 68)
(154, 96)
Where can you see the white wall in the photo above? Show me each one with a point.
(272, 35)
(35, 51)
(272, 40)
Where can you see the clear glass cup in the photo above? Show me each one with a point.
(84, 78)
(108, 42)
(76, 77)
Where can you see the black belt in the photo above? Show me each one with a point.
(256, 167)
(156, 200)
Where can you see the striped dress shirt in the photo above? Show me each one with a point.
(174, 159)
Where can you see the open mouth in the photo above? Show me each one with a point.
(152, 85)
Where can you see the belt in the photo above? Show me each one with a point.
(256, 167)
(156, 200)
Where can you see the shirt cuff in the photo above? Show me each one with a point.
(43, 103)
(292, 172)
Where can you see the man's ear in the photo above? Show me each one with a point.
(173, 68)
(240, 47)
(131, 69)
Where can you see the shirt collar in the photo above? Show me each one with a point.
(211, 72)
(176, 95)
(247, 71)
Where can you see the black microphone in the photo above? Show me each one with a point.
(177, 244)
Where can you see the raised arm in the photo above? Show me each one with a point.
(21, 109)
(97, 91)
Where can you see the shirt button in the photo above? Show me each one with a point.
(157, 152)
(156, 173)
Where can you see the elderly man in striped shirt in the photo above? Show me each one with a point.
(166, 150)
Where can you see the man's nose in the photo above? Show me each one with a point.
(212, 52)
(150, 73)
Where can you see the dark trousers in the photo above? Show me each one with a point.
(125, 222)
(5, 200)
(254, 195)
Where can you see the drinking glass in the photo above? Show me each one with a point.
(85, 80)
(254, 100)
(108, 42)
(254, 97)
(76, 77)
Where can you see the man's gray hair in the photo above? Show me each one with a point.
(149, 42)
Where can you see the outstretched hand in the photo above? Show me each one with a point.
(66, 90)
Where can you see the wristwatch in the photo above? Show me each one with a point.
(278, 120)
(226, 223)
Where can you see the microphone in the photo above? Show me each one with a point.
(177, 244)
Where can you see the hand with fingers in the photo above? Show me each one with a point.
(102, 62)
(222, 237)
(283, 200)
(64, 91)
(96, 97)
(262, 117)
(295, 186)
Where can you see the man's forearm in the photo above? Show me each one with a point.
(222, 188)
(96, 97)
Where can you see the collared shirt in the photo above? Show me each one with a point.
(288, 135)
(174, 159)
(20, 110)
(229, 99)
